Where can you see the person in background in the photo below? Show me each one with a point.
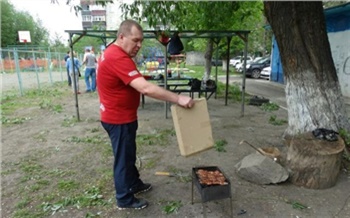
(68, 76)
(74, 73)
(119, 86)
(90, 70)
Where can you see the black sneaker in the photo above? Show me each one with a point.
(142, 188)
(138, 204)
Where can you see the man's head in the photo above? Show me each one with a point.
(87, 50)
(130, 37)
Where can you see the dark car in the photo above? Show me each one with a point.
(254, 68)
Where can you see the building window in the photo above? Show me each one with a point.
(99, 18)
(86, 18)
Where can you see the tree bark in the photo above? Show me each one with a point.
(313, 94)
(208, 56)
(314, 163)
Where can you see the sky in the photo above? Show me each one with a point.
(56, 18)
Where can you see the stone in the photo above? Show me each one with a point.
(261, 169)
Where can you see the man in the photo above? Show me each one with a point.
(90, 70)
(69, 79)
(74, 73)
(119, 87)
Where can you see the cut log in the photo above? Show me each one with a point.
(314, 163)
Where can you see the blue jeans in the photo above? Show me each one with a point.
(68, 75)
(90, 73)
(126, 175)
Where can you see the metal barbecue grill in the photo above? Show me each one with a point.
(209, 190)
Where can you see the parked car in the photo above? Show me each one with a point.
(266, 73)
(215, 62)
(234, 62)
(239, 66)
(254, 68)
(257, 59)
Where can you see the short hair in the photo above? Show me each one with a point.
(126, 25)
(88, 50)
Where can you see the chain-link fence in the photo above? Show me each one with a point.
(24, 69)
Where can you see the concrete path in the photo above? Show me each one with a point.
(271, 90)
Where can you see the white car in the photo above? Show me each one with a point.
(235, 60)
(266, 73)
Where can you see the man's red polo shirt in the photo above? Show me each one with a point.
(118, 100)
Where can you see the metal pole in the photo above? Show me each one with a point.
(59, 62)
(166, 79)
(15, 55)
(216, 59)
(49, 65)
(244, 73)
(73, 77)
(36, 70)
(227, 68)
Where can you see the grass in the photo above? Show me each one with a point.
(47, 185)
(74, 174)
(45, 98)
(199, 71)
(269, 107)
(277, 122)
(172, 207)
(220, 145)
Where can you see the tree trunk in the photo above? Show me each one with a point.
(208, 56)
(314, 163)
(313, 94)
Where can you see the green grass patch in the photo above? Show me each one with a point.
(277, 122)
(24, 202)
(67, 185)
(47, 104)
(92, 196)
(42, 98)
(97, 140)
(220, 145)
(159, 137)
(269, 107)
(172, 207)
(15, 120)
(151, 163)
(200, 69)
(69, 121)
(234, 92)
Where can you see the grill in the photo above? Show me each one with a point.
(216, 188)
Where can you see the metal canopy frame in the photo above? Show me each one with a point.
(216, 35)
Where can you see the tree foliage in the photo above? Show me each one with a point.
(13, 21)
(192, 15)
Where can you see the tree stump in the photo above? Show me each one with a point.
(314, 163)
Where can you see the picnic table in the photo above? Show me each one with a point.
(181, 85)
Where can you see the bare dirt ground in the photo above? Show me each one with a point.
(57, 152)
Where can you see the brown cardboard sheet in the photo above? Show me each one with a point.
(193, 127)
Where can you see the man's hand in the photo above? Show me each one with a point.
(185, 101)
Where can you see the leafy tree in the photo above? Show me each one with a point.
(184, 15)
(313, 92)
(8, 32)
(12, 21)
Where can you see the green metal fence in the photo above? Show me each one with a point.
(24, 69)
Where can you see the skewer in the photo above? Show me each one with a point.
(243, 141)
